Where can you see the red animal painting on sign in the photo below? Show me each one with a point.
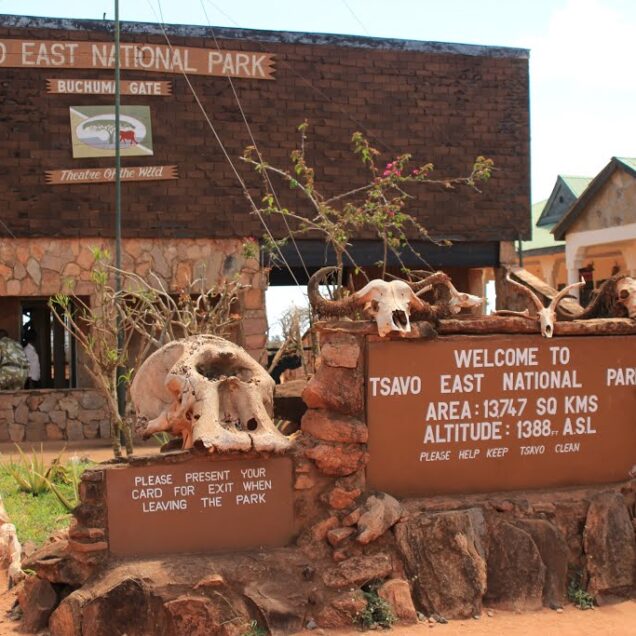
(127, 135)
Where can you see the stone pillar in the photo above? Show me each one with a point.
(507, 258)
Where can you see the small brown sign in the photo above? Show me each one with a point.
(77, 176)
(107, 87)
(154, 58)
(476, 414)
(200, 506)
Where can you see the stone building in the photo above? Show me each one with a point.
(184, 210)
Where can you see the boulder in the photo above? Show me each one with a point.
(358, 570)
(199, 616)
(610, 547)
(37, 599)
(554, 554)
(445, 555)
(379, 513)
(397, 593)
(282, 607)
(343, 610)
(343, 351)
(516, 572)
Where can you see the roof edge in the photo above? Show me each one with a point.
(593, 187)
(272, 37)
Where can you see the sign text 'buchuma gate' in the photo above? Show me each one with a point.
(470, 414)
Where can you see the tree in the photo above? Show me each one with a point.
(379, 205)
(109, 126)
(148, 315)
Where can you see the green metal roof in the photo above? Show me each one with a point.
(629, 163)
(542, 237)
(576, 184)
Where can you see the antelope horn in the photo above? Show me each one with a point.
(519, 314)
(554, 303)
(527, 291)
(322, 305)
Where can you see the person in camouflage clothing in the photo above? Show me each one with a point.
(14, 365)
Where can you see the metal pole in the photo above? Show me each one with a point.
(121, 392)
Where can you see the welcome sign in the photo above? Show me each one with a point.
(476, 414)
(153, 58)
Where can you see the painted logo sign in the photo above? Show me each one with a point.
(93, 131)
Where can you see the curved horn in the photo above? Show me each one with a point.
(323, 306)
(563, 293)
(527, 291)
(433, 279)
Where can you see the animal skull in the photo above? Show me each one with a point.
(545, 315)
(389, 303)
(626, 295)
(211, 393)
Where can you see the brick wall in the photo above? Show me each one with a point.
(442, 103)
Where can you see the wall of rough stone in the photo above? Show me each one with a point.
(437, 557)
(52, 415)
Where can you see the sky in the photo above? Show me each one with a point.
(582, 86)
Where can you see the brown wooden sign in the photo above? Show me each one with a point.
(106, 87)
(476, 414)
(154, 58)
(77, 176)
(200, 506)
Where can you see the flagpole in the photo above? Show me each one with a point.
(121, 391)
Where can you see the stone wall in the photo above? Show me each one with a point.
(433, 558)
(52, 415)
(44, 267)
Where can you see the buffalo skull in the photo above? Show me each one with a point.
(626, 295)
(211, 393)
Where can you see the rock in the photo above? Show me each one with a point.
(69, 405)
(338, 535)
(338, 460)
(340, 499)
(554, 554)
(199, 616)
(304, 482)
(397, 593)
(53, 432)
(610, 547)
(336, 389)
(21, 415)
(516, 573)
(341, 353)
(74, 431)
(16, 432)
(445, 555)
(332, 427)
(319, 531)
(352, 518)
(358, 570)
(37, 599)
(283, 611)
(127, 606)
(90, 430)
(379, 513)
(91, 400)
(342, 611)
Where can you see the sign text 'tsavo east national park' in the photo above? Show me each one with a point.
(200, 505)
(155, 58)
(477, 414)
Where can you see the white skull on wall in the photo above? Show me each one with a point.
(626, 295)
(211, 393)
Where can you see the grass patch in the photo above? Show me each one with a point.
(35, 517)
(378, 613)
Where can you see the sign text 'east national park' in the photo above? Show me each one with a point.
(155, 58)
(462, 414)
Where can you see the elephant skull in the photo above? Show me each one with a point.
(211, 393)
